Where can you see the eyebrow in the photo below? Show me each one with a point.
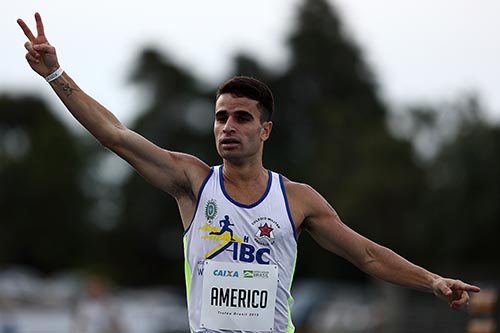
(237, 112)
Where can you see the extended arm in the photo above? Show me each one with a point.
(176, 173)
(326, 227)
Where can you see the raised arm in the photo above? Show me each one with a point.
(326, 227)
(176, 173)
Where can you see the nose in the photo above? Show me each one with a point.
(229, 125)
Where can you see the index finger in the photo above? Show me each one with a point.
(26, 30)
(467, 287)
(39, 25)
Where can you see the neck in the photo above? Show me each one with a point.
(246, 172)
(245, 184)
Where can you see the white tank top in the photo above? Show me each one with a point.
(240, 260)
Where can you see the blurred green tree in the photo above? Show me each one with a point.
(460, 151)
(331, 132)
(42, 203)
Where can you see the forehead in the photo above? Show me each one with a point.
(229, 103)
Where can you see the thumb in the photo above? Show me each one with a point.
(44, 47)
(445, 290)
(442, 289)
(48, 55)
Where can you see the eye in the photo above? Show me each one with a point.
(220, 118)
(244, 118)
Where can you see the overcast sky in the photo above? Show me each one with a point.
(423, 50)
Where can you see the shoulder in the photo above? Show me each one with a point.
(304, 201)
(296, 189)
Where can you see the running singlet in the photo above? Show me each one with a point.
(240, 260)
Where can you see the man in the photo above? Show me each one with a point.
(238, 278)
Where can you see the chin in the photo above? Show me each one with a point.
(231, 157)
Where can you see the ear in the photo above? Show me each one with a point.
(266, 130)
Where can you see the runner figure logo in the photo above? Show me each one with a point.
(225, 225)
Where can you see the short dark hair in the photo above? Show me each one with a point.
(249, 87)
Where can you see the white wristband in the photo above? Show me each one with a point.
(55, 75)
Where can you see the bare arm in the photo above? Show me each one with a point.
(326, 227)
(176, 173)
(172, 172)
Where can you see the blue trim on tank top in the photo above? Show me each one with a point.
(282, 185)
(205, 181)
(228, 197)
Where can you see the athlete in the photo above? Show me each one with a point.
(241, 284)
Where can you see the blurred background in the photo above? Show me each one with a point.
(391, 110)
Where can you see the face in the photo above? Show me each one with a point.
(238, 130)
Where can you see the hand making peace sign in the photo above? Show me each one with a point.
(41, 55)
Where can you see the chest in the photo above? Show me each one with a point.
(246, 194)
(241, 225)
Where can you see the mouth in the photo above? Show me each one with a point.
(229, 142)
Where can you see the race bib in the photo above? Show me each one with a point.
(238, 296)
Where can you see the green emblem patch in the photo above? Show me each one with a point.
(211, 210)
